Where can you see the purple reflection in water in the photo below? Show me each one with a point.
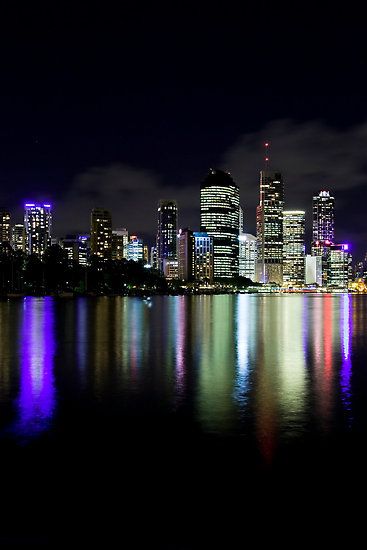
(346, 370)
(37, 392)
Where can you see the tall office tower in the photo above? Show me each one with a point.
(219, 218)
(135, 249)
(323, 217)
(269, 228)
(5, 233)
(18, 237)
(247, 255)
(293, 247)
(120, 238)
(339, 266)
(101, 233)
(166, 233)
(195, 256)
(38, 223)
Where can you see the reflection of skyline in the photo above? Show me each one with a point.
(271, 367)
(37, 391)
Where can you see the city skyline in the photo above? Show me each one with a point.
(80, 133)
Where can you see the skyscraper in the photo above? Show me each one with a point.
(38, 223)
(195, 256)
(269, 228)
(166, 233)
(323, 217)
(247, 256)
(101, 233)
(120, 239)
(18, 237)
(5, 234)
(339, 262)
(219, 213)
(293, 248)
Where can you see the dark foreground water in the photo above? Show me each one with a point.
(177, 422)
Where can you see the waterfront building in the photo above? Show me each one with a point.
(5, 233)
(38, 224)
(135, 249)
(247, 255)
(269, 228)
(313, 270)
(339, 265)
(166, 232)
(323, 217)
(120, 239)
(101, 233)
(18, 237)
(293, 247)
(203, 257)
(220, 219)
(195, 256)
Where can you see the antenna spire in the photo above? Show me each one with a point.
(266, 155)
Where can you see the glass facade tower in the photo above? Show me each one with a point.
(294, 248)
(219, 213)
(269, 228)
(166, 233)
(37, 222)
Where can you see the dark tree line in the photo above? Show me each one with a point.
(54, 273)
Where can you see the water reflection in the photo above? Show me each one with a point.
(267, 367)
(36, 400)
(346, 370)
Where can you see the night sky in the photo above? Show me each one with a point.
(111, 108)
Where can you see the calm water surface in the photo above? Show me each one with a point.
(171, 383)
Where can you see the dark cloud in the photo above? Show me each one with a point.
(312, 156)
(130, 194)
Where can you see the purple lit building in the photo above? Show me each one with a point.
(37, 223)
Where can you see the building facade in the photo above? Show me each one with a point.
(313, 270)
(135, 249)
(323, 207)
(101, 233)
(294, 248)
(38, 225)
(77, 248)
(166, 232)
(195, 256)
(269, 228)
(120, 239)
(247, 256)
(5, 231)
(339, 264)
(220, 218)
(18, 237)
